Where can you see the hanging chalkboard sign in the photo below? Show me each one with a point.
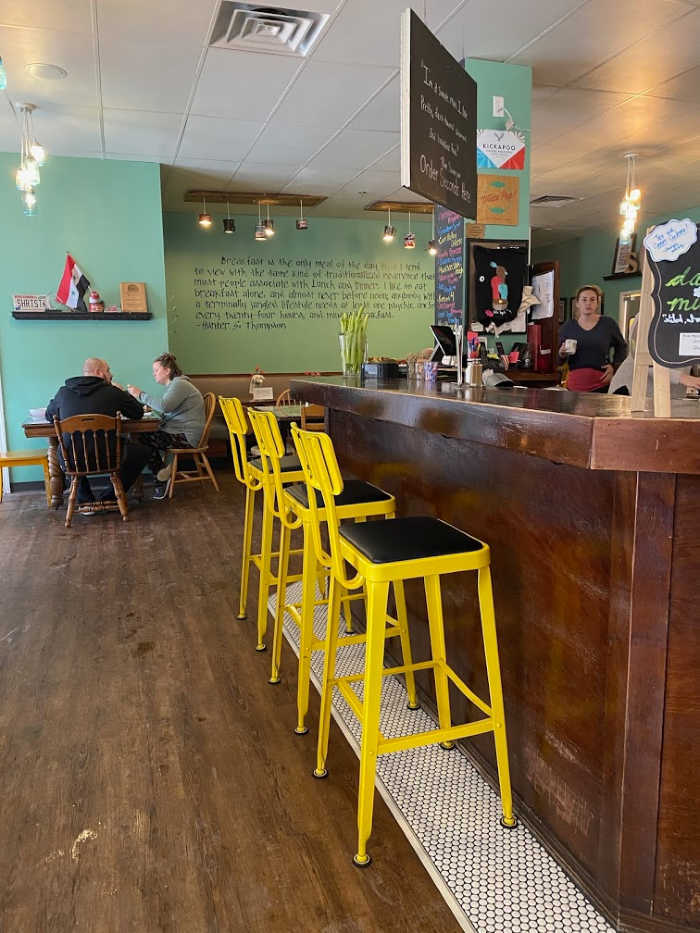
(438, 121)
(673, 253)
(449, 266)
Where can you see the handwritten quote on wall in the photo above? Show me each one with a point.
(273, 294)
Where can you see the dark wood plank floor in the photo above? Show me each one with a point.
(149, 776)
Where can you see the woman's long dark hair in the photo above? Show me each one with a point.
(170, 363)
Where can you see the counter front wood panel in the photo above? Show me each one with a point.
(596, 586)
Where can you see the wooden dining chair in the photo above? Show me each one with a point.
(284, 398)
(202, 468)
(313, 418)
(90, 445)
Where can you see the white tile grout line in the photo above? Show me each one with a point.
(493, 880)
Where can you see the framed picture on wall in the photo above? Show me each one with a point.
(563, 305)
(623, 254)
(497, 271)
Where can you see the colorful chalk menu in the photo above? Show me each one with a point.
(438, 121)
(449, 266)
(673, 253)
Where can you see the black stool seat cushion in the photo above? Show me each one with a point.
(287, 463)
(355, 492)
(408, 539)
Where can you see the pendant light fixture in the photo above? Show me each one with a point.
(302, 223)
(632, 201)
(409, 241)
(269, 224)
(432, 245)
(32, 155)
(229, 222)
(260, 228)
(389, 231)
(204, 219)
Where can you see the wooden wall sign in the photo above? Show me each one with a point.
(133, 296)
(673, 253)
(438, 121)
(449, 266)
(497, 200)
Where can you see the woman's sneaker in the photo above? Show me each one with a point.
(163, 475)
(160, 491)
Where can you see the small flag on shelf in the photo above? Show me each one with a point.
(71, 291)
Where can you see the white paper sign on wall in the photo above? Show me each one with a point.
(670, 240)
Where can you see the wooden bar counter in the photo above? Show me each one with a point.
(593, 518)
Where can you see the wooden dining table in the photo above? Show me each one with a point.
(46, 429)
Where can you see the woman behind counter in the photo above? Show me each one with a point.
(182, 410)
(590, 369)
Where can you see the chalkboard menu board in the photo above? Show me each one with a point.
(438, 121)
(449, 266)
(674, 333)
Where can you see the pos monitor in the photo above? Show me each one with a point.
(445, 340)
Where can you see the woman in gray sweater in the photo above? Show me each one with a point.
(181, 408)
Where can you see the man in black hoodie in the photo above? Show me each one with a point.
(94, 393)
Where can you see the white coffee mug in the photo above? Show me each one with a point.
(570, 346)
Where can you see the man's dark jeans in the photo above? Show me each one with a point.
(134, 459)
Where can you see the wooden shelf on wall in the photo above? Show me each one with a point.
(81, 316)
(622, 275)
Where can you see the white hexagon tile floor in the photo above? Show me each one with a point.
(494, 880)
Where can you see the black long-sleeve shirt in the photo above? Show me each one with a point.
(593, 346)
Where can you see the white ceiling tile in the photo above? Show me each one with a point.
(354, 149)
(262, 177)
(567, 110)
(405, 194)
(140, 131)
(375, 184)
(285, 145)
(70, 15)
(69, 132)
(326, 95)
(311, 181)
(229, 75)
(20, 47)
(132, 157)
(476, 31)
(211, 138)
(391, 162)
(383, 112)
(595, 32)
(684, 86)
(155, 75)
(368, 33)
(645, 65)
(182, 19)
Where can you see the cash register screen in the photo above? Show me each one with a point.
(446, 345)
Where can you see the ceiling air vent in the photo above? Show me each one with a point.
(257, 28)
(552, 200)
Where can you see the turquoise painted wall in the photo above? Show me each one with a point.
(588, 258)
(234, 304)
(108, 215)
(514, 84)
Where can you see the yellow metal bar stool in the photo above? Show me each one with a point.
(252, 475)
(381, 553)
(358, 502)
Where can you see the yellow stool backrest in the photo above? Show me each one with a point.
(267, 433)
(234, 415)
(322, 473)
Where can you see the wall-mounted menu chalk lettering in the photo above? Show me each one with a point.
(673, 252)
(438, 121)
(449, 266)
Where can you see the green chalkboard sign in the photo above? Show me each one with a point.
(673, 254)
